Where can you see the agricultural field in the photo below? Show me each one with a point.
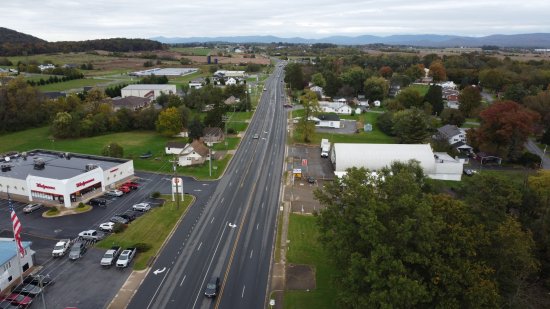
(193, 51)
(75, 84)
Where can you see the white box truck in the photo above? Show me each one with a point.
(325, 147)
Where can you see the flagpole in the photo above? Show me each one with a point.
(20, 269)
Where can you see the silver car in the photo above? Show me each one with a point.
(141, 207)
(31, 207)
(77, 250)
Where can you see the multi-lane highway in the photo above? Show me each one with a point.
(230, 235)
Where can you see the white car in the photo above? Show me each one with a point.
(107, 226)
(141, 207)
(114, 193)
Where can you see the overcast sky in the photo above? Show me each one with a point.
(58, 20)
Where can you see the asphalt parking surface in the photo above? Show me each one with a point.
(316, 166)
(348, 127)
(84, 283)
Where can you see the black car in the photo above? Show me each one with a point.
(311, 180)
(100, 202)
(119, 219)
(212, 287)
(128, 216)
(35, 280)
(27, 290)
(8, 305)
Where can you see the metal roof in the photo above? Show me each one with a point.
(7, 249)
(150, 87)
(377, 156)
(57, 164)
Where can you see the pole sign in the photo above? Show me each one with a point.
(177, 187)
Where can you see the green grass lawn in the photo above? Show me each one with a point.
(72, 84)
(152, 228)
(422, 89)
(232, 143)
(304, 248)
(134, 144)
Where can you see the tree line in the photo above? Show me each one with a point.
(399, 243)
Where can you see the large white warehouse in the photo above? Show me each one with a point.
(147, 90)
(377, 156)
(60, 178)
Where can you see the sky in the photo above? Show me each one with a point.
(73, 20)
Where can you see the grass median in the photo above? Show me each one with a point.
(152, 229)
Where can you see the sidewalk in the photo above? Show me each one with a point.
(125, 294)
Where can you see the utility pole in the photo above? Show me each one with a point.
(176, 180)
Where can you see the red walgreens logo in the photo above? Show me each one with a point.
(43, 186)
(114, 170)
(83, 183)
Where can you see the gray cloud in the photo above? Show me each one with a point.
(56, 20)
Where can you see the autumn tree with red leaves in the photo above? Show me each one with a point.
(505, 127)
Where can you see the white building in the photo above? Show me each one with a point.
(47, 66)
(192, 154)
(226, 73)
(147, 90)
(11, 265)
(174, 148)
(377, 156)
(341, 108)
(231, 81)
(452, 133)
(61, 178)
(326, 121)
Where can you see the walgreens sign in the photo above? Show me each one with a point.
(83, 183)
(45, 187)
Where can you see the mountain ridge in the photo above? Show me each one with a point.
(527, 40)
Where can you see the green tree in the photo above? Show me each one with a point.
(318, 80)
(434, 96)
(452, 116)
(113, 150)
(515, 92)
(415, 71)
(311, 107)
(169, 122)
(470, 101)
(294, 76)
(410, 97)
(376, 88)
(411, 126)
(62, 125)
(195, 128)
(354, 78)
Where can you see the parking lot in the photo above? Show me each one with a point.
(348, 127)
(300, 192)
(82, 283)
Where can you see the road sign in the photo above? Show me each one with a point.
(304, 162)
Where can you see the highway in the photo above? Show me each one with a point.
(231, 234)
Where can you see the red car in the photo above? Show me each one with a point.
(130, 184)
(19, 299)
(125, 189)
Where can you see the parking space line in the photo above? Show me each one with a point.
(183, 279)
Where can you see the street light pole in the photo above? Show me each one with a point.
(543, 156)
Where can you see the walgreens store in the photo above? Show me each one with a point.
(60, 178)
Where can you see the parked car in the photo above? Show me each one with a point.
(125, 189)
(4, 304)
(311, 180)
(132, 185)
(125, 257)
(27, 290)
(141, 207)
(100, 202)
(61, 248)
(35, 280)
(114, 193)
(110, 256)
(128, 216)
(19, 300)
(77, 250)
(107, 226)
(469, 172)
(31, 207)
(117, 219)
(91, 235)
(212, 287)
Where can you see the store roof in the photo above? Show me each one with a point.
(7, 249)
(58, 165)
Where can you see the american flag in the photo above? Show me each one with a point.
(16, 229)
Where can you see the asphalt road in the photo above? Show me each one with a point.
(230, 235)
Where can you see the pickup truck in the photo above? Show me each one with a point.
(61, 247)
(110, 256)
(125, 257)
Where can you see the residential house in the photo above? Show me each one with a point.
(12, 266)
(231, 81)
(394, 90)
(197, 83)
(132, 103)
(318, 90)
(231, 101)
(174, 148)
(335, 107)
(328, 121)
(213, 135)
(47, 66)
(194, 153)
(455, 136)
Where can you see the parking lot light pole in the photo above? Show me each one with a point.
(43, 292)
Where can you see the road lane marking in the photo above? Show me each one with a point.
(251, 251)
(212, 220)
(242, 294)
(157, 290)
(199, 246)
(183, 279)
(257, 226)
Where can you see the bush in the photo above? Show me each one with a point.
(231, 131)
(530, 160)
(81, 205)
(119, 227)
(52, 211)
(142, 247)
(155, 194)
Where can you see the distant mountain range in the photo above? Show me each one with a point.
(529, 40)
